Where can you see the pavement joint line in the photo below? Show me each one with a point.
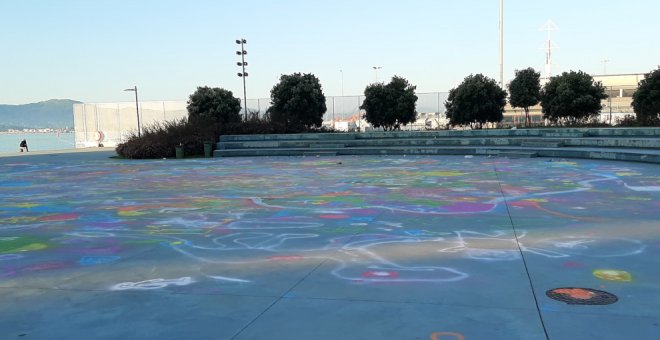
(522, 256)
(277, 300)
(404, 302)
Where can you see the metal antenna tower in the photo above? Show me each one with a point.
(605, 61)
(549, 27)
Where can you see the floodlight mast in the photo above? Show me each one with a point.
(243, 74)
(376, 68)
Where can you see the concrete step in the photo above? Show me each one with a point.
(517, 154)
(319, 153)
(565, 134)
(540, 143)
(649, 132)
(326, 146)
(621, 154)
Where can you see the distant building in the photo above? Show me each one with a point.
(618, 87)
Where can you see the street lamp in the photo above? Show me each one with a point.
(502, 43)
(137, 110)
(376, 68)
(243, 74)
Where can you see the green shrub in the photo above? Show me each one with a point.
(159, 140)
(636, 121)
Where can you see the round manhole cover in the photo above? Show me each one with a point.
(581, 296)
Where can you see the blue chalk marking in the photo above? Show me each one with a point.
(95, 260)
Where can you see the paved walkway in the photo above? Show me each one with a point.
(328, 248)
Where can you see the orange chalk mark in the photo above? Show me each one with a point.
(437, 335)
(576, 293)
(59, 218)
(537, 205)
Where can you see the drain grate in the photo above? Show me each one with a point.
(582, 296)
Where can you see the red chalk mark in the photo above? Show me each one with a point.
(59, 218)
(437, 335)
(286, 258)
(381, 274)
(220, 230)
(576, 293)
(45, 266)
(334, 217)
(571, 264)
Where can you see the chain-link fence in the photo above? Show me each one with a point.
(111, 123)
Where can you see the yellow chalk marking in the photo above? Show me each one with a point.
(626, 174)
(443, 173)
(539, 200)
(33, 246)
(130, 213)
(613, 275)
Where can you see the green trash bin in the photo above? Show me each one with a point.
(179, 151)
(208, 146)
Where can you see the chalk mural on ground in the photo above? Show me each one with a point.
(368, 219)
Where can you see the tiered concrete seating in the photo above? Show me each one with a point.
(629, 144)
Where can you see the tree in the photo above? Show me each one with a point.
(390, 106)
(297, 102)
(525, 90)
(646, 100)
(572, 97)
(215, 104)
(477, 100)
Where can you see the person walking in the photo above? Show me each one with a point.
(23, 146)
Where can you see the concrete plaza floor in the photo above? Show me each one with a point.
(369, 247)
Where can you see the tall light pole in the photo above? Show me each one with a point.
(342, 82)
(376, 68)
(502, 43)
(243, 74)
(137, 110)
(342, 99)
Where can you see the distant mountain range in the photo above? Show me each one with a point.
(54, 113)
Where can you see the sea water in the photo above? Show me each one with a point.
(9, 142)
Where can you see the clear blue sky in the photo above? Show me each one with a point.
(90, 50)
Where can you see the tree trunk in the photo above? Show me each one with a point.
(528, 121)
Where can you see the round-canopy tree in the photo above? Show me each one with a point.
(572, 97)
(646, 100)
(215, 104)
(390, 106)
(297, 102)
(477, 100)
(525, 90)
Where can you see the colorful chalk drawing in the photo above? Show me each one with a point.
(153, 284)
(613, 275)
(369, 220)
